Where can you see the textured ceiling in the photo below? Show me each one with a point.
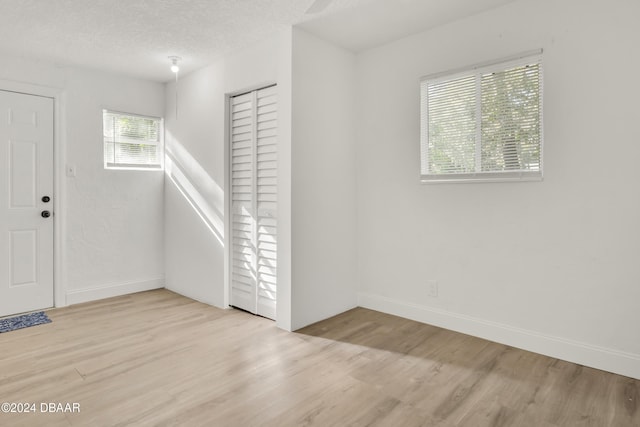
(382, 21)
(136, 36)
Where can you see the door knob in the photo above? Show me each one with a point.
(46, 199)
(45, 214)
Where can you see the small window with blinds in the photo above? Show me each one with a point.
(484, 123)
(132, 141)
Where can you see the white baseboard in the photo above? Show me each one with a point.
(615, 361)
(112, 290)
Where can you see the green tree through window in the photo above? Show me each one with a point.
(485, 123)
(132, 141)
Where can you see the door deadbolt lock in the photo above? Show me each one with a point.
(45, 214)
(46, 199)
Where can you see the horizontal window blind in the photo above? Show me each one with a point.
(484, 123)
(452, 126)
(132, 141)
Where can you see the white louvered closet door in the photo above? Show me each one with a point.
(253, 201)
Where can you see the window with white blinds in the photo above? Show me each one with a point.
(132, 141)
(483, 124)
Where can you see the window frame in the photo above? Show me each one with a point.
(478, 70)
(135, 166)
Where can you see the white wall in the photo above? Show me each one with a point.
(195, 185)
(114, 217)
(324, 278)
(549, 266)
(316, 177)
(194, 250)
(111, 241)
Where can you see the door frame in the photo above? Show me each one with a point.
(59, 184)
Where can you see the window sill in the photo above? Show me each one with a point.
(482, 177)
(121, 166)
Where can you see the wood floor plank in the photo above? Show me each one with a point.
(159, 359)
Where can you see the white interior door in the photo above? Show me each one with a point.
(253, 201)
(26, 181)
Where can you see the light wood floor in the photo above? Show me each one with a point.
(156, 358)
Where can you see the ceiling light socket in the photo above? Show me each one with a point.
(174, 63)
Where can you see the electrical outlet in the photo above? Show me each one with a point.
(432, 288)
